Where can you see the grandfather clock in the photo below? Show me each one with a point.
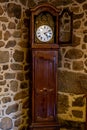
(44, 46)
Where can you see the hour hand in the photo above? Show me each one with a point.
(48, 35)
(45, 33)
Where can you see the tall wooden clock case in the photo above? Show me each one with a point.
(44, 46)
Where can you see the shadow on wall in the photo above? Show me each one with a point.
(72, 89)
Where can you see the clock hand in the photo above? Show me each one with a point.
(47, 34)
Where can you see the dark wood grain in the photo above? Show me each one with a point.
(44, 76)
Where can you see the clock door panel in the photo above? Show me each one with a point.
(44, 85)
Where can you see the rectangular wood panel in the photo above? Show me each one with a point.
(44, 85)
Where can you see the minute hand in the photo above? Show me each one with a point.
(47, 34)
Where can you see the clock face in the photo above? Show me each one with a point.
(44, 33)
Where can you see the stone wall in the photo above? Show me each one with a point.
(72, 68)
(72, 71)
(15, 67)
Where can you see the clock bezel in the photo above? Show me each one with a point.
(44, 34)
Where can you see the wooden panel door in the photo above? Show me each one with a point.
(44, 83)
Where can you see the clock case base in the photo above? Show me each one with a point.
(45, 126)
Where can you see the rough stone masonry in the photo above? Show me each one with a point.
(15, 67)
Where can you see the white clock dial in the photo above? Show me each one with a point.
(44, 33)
